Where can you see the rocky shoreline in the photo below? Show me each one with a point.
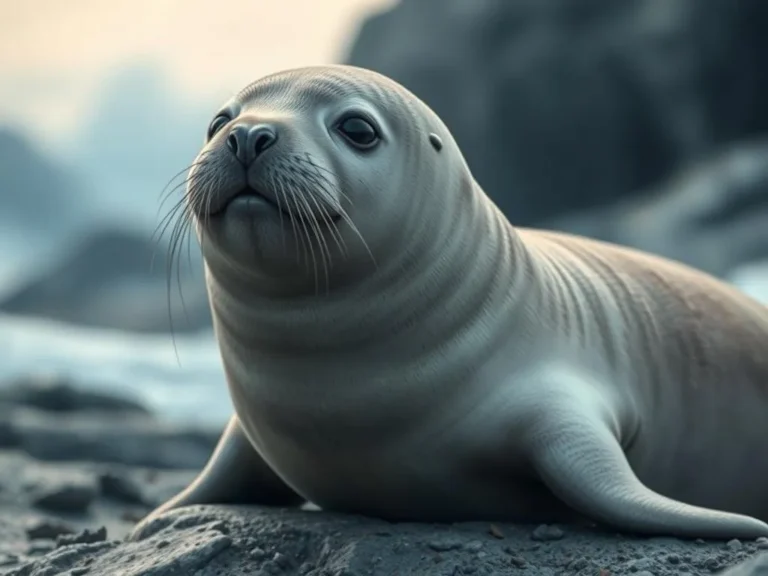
(78, 469)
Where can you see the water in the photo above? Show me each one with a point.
(189, 388)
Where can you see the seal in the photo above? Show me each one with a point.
(394, 347)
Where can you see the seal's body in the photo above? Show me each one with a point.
(394, 347)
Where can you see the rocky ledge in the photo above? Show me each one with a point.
(70, 514)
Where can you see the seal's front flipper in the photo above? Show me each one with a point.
(235, 474)
(580, 460)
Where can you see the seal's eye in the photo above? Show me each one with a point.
(359, 131)
(217, 124)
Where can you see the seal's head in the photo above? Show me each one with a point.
(313, 177)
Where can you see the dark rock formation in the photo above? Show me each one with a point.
(54, 393)
(56, 421)
(118, 279)
(711, 216)
(562, 106)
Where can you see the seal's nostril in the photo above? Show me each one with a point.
(262, 137)
(232, 143)
(247, 143)
(237, 142)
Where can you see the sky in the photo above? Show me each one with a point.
(56, 54)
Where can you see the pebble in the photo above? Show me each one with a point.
(120, 488)
(641, 564)
(66, 498)
(517, 561)
(545, 533)
(734, 544)
(48, 529)
(444, 544)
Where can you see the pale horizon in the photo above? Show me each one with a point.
(55, 56)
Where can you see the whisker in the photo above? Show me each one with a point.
(320, 169)
(279, 207)
(278, 181)
(296, 216)
(199, 161)
(179, 221)
(303, 222)
(322, 245)
(335, 232)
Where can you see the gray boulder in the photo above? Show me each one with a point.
(711, 216)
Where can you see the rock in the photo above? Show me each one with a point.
(562, 106)
(121, 488)
(734, 544)
(51, 419)
(48, 529)
(64, 560)
(83, 537)
(67, 497)
(546, 533)
(136, 442)
(711, 216)
(54, 393)
(118, 279)
(211, 540)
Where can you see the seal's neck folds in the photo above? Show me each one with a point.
(441, 283)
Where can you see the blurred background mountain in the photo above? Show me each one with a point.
(637, 121)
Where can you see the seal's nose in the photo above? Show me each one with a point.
(247, 142)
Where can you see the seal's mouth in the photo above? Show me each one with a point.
(249, 194)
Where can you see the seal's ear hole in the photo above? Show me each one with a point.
(437, 144)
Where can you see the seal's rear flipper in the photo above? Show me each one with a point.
(581, 461)
(235, 474)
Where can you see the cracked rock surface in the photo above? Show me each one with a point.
(209, 541)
